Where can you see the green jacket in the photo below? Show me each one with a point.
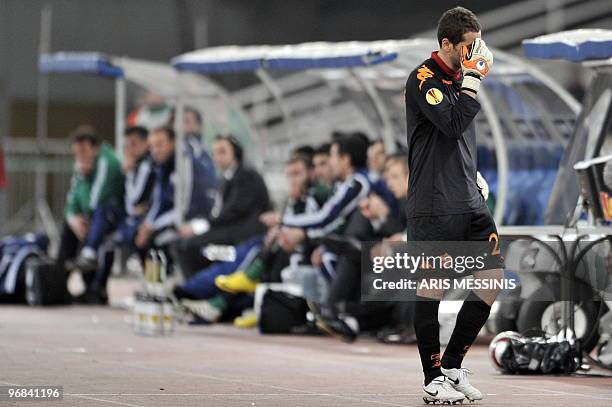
(103, 186)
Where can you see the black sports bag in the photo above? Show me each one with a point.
(281, 313)
(45, 283)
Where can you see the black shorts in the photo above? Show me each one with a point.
(475, 226)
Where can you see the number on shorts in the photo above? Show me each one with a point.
(493, 236)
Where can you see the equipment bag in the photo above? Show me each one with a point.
(14, 252)
(46, 284)
(539, 356)
(281, 313)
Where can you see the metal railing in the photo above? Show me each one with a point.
(24, 159)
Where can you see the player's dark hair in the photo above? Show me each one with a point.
(323, 149)
(363, 137)
(455, 22)
(354, 145)
(138, 131)
(233, 141)
(85, 133)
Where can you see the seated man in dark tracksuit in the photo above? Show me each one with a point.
(138, 168)
(200, 173)
(94, 209)
(159, 226)
(242, 197)
(376, 162)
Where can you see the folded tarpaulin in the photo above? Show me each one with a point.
(94, 63)
(573, 45)
(313, 55)
(157, 77)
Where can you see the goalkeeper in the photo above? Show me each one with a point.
(445, 201)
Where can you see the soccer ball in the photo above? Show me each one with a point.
(499, 345)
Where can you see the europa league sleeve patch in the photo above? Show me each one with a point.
(434, 96)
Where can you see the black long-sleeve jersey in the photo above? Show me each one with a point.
(139, 184)
(441, 142)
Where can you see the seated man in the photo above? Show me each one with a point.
(322, 178)
(158, 228)
(94, 208)
(192, 126)
(161, 216)
(242, 197)
(199, 166)
(139, 181)
(376, 167)
(322, 171)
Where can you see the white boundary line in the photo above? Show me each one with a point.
(242, 394)
(103, 400)
(298, 391)
(557, 392)
(81, 396)
(299, 394)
